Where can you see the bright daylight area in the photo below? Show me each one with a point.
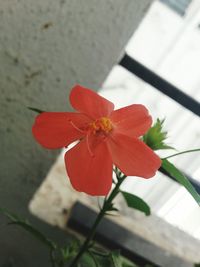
(169, 44)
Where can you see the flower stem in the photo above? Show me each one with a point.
(52, 258)
(106, 207)
(183, 152)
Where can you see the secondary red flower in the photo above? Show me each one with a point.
(107, 137)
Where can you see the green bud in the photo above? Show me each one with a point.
(156, 136)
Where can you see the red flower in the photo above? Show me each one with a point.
(106, 137)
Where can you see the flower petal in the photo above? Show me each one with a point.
(90, 174)
(132, 156)
(58, 129)
(90, 103)
(133, 120)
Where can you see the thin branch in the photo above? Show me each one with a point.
(183, 152)
(94, 259)
(52, 258)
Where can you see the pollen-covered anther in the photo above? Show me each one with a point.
(103, 124)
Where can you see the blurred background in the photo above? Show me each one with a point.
(168, 43)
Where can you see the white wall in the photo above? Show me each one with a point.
(45, 47)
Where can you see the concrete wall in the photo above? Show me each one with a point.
(45, 47)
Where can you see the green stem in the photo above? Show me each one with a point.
(94, 259)
(52, 258)
(105, 208)
(183, 152)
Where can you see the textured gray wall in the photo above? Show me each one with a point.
(47, 46)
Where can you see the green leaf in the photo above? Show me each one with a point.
(70, 251)
(99, 252)
(127, 265)
(110, 259)
(89, 260)
(15, 220)
(156, 136)
(124, 264)
(136, 202)
(35, 110)
(116, 258)
(178, 176)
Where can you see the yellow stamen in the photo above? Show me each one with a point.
(102, 125)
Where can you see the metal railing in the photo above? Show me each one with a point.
(166, 88)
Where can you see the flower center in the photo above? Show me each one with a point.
(101, 125)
